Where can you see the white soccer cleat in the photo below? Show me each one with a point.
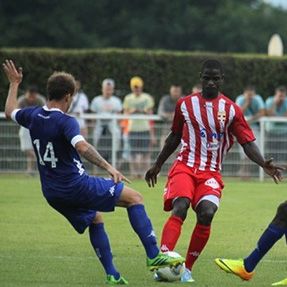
(186, 276)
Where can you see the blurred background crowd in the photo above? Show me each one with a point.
(107, 44)
(136, 139)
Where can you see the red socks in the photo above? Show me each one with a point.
(170, 233)
(197, 243)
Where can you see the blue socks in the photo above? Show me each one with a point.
(142, 226)
(270, 236)
(101, 244)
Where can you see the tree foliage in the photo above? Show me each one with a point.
(159, 69)
(208, 25)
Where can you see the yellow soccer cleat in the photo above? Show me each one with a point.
(235, 267)
(280, 283)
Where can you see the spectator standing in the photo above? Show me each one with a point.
(80, 105)
(141, 134)
(276, 106)
(106, 104)
(166, 109)
(29, 99)
(253, 108)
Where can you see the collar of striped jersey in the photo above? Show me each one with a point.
(209, 100)
(52, 109)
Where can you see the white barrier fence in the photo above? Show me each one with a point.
(133, 153)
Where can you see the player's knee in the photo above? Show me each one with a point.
(282, 210)
(281, 216)
(136, 198)
(205, 212)
(129, 197)
(205, 215)
(180, 207)
(98, 219)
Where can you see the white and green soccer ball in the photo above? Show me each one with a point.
(171, 273)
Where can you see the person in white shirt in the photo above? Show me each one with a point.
(29, 99)
(106, 104)
(80, 105)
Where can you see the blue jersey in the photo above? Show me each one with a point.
(65, 183)
(54, 135)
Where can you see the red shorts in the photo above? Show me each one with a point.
(185, 181)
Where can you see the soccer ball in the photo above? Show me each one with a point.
(171, 273)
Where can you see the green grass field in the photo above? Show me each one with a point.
(39, 248)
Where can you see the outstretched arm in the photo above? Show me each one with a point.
(87, 151)
(171, 144)
(14, 76)
(253, 153)
(245, 137)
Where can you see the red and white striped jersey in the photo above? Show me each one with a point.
(208, 128)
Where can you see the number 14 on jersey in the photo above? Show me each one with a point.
(49, 155)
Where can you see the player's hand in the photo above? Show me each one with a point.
(273, 170)
(151, 175)
(117, 176)
(13, 74)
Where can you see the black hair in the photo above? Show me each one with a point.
(33, 89)
(175, 85)
(212, 64)
(250, 88)
(281, 89)
(59, 85)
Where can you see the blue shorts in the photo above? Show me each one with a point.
(80, 207)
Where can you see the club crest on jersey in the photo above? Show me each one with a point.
(221, 116)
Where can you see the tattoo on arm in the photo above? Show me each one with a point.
(92, 155)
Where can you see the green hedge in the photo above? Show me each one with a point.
(159, 69)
